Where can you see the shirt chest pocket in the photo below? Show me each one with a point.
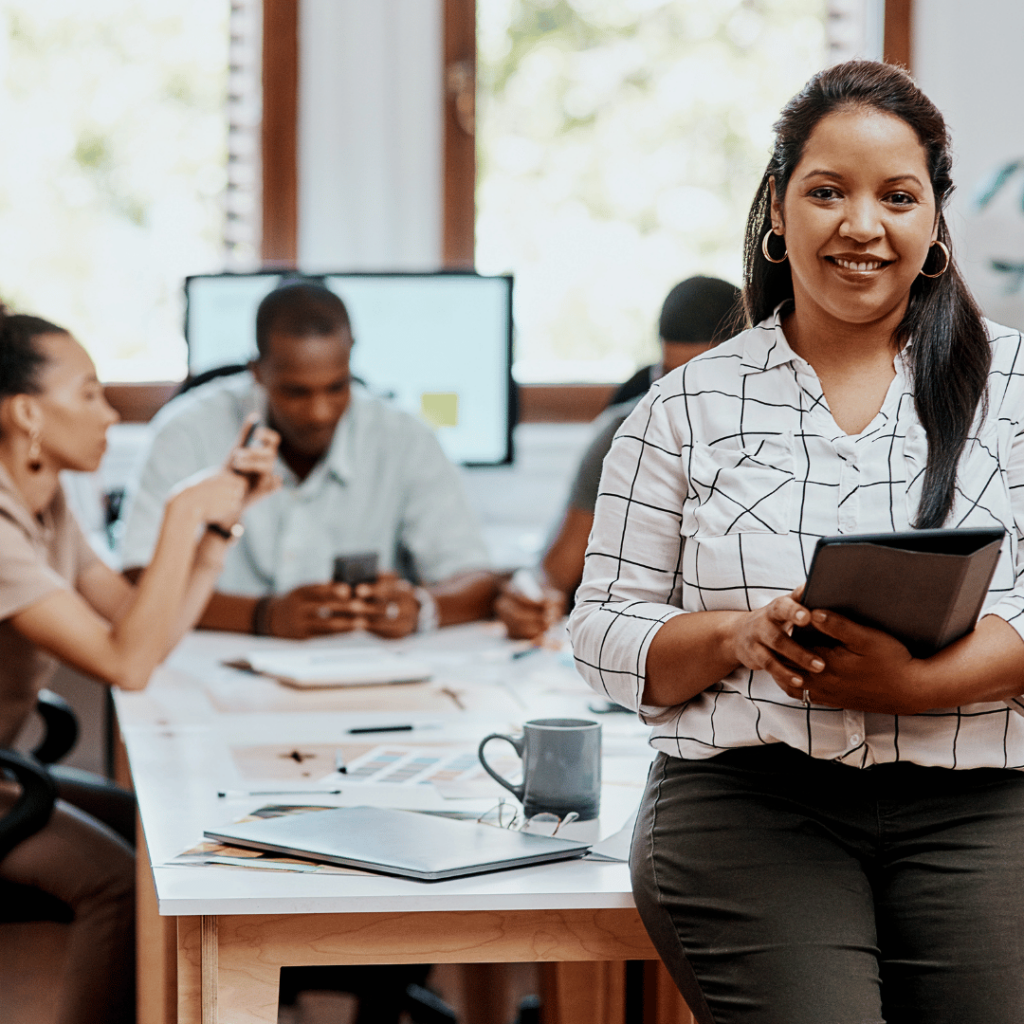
(740, 490)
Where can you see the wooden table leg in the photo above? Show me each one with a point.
(662, 1002)
(155, 947)
(189, 971)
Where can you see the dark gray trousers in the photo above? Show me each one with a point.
(781, 889)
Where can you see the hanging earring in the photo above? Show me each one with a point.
(34, 462)
(767, 255)
(945, 266)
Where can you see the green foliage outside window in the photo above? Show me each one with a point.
(619, 146)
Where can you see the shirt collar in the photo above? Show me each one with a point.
(765, 346)
(340, 457)
(340, 462)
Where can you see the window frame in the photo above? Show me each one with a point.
(562, 403)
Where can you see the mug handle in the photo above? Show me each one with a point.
(517, 744)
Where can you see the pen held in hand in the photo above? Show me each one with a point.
(533, 648)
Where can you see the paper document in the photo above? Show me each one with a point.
(341, 666)
(453, 773)
(211, 852)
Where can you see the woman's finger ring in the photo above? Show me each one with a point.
(323, 612)
(807, 698)
(391, 610)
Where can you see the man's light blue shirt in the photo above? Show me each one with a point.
(384, 485)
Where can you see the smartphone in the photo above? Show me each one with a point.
(250, 437)
(250, 434)
(355, 569)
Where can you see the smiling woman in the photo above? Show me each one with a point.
(859, 217)
(806, 801)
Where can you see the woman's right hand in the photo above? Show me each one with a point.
(222, 494)
(253, 457)
(211, 496)
(762, 640)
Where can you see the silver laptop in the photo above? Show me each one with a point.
(393, 842)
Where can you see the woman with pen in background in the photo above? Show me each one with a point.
(830, 835)
(59, 602)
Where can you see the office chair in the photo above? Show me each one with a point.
(23, 903)
(197, 380)
(33, 923)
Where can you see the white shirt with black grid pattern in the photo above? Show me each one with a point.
(713, 495)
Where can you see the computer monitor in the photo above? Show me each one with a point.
(439, 345)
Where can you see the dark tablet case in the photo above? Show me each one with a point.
(924, 587)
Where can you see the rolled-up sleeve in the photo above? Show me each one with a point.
(632, 575)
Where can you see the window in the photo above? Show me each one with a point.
(114, 171)
(620, 143)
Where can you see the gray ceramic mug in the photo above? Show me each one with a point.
(561, 766)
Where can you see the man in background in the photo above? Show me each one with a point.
(360, 476)
(697, 313)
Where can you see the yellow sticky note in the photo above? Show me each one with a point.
(440, 408)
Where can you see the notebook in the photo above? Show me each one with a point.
(395, 842)
(341, 666)
(924, 587)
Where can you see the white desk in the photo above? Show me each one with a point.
(236, 927)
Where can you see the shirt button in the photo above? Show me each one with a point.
(855, 738)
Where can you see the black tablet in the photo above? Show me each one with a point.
(924, 587)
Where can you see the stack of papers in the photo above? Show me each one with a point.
(340, 666)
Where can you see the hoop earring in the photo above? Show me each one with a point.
(945, 266)
(34, 462)
(764, 249)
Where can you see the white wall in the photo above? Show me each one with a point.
(370, 134)
(967, 58)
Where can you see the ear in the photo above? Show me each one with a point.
(935, 227)
(23, 413)
(256, 370)
(778, 222)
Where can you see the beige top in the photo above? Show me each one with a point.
(39, 555)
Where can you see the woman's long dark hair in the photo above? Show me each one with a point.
(950, 356)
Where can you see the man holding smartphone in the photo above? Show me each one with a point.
(361, 478)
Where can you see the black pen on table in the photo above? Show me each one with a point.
(226, 793)
(404, 727)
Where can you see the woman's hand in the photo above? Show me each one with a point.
(253, 459)
(868, 671)
(762, 639)
(694, 651)
(220, 496)
(209, 496)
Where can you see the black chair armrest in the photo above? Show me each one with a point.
(61, 727)
(32, 809)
